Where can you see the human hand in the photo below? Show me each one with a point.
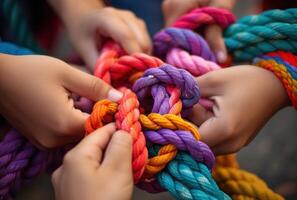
(88, 174)
(213, 34)
(35, 98)
(88, 23)
(245, 98)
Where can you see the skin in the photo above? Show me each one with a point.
(99, 167)
(94, 23)
(173, 9)
(35, 98)
(245, 98)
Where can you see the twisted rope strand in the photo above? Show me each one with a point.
(205, 16)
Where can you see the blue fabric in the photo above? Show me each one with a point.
(148, 10)
(9, 48)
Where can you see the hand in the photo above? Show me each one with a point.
(173, 9)
(88, 23)
(245, 98)
(35, 98)
(88, 174)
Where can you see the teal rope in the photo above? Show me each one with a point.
(186, 179)
(18, 25)
(269, 31)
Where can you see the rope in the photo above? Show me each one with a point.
(205, 16)
(269, 31)
(183, 165)
(284, 66)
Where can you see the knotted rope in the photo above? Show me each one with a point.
(173, 92)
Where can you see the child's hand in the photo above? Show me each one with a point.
(88, 174)
(245, 98)
(88, 22)
(173, 9)
(35, 98)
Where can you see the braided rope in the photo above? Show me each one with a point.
(269, 31)
(233, 185)
(285, 70)
(126, 114)
(181, 38)
(205, 16)
(183, 177)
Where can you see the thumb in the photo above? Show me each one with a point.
(89, 86)
(119, 152)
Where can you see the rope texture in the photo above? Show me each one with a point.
(284, 66)
(254, 35)
(172, 92)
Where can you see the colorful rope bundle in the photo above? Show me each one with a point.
(183, 165)
(255, 35)
(284, 66)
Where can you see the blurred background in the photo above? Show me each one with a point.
(272, 155)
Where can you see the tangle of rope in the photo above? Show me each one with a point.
(246, 192)
(136, 75)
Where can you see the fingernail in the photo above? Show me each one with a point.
(221, 56)
(114, 95)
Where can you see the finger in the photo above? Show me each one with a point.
(145, 41)
(121, 33)
(214, 37)
(119, 152)
(138, 27)
(93, 145)
(88, 50)
(89, 86)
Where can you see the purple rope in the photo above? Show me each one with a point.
(184, 141)
(20, 161)
(181, 38)
(169, 75)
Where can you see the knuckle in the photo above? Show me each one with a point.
(237, 145)
(142, 23)
(126, 35)
(109, 9)
(55, 177)
(69, 158)
(95, 85)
